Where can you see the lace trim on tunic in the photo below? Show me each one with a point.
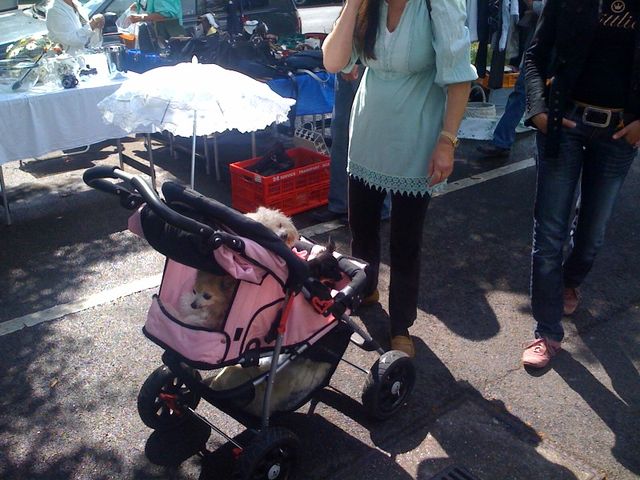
(403, 185)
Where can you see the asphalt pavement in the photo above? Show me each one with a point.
(76, 286)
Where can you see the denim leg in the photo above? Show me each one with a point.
(505, 133)
(606, 166)
(365, 204)
(344, 93)
(556, 183)
(407, 220)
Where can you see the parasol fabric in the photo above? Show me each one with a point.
(167, 98)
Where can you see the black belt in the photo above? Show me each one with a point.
(597, 116)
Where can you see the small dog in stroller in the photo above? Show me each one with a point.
(283, 336)
(207, 304)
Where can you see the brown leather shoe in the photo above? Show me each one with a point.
(404, 344)
(571, 299)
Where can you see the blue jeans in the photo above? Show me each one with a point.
(338, 182)
(505, 133)
(590, 156)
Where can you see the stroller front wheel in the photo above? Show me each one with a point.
(270, 455)
(160, 397)
(390, 381)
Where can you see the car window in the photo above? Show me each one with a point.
(220, 6)
(102, 6)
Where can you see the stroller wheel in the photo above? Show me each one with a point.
(388, 385)
(155, 411)
(271, 455)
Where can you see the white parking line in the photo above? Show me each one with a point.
(153, 281)
(90, 301)
(486, 176)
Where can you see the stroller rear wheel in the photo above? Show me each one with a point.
(388, 385)
(160, 397)
(271, 455)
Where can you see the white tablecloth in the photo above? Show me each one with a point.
(41, 121)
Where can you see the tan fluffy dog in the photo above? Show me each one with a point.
(277, 222)
(291, 386)
(208, 302)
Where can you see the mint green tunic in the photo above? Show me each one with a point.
(398, 110)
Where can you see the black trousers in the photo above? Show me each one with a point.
(407, 218)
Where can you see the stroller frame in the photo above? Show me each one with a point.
(172, 392)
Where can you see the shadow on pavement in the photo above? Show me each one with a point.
(619, 405)
(71, 251)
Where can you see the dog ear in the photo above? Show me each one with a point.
(331, 245)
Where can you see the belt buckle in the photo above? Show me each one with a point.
(602, 111)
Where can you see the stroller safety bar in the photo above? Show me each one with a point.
(177, 195)
(96, 177)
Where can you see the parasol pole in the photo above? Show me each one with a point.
(193, 151)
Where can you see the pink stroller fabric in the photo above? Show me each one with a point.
(258, 298)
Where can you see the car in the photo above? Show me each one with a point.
(19, 23)
(280, 16)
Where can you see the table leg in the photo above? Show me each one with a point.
(151, 165)
(253, 144)
(207, 158)
(172, 150)
(215, 155)
(5, 200)
(120, 154)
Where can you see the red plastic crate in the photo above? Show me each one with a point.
(302, 188)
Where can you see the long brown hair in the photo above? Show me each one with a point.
(367, 27)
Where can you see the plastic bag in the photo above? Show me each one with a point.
(124, 25)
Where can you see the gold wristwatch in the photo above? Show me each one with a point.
(451, 137)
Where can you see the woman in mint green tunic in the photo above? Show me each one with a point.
(166, 16)
(403, 129)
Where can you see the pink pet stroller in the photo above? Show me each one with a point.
(283, 335)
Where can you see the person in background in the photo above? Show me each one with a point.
(209, 24)
(165, 15)
(402, 136)
(585, 104)
(504, 134)
(69, 25)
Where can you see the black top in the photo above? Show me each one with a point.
(606, 77)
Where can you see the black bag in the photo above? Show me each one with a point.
(147, 38)
(305, 60)
(253, 57)
(210, 49)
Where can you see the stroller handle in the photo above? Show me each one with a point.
(96, 177)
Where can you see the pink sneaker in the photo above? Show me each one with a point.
(539, 352)
(571, 299)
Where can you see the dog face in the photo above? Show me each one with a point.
(208, 290)
(209, 300)
(277, 222)
(325, 266)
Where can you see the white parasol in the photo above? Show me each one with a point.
(192, 99)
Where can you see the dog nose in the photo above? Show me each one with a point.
(194, 305)
(283, 236)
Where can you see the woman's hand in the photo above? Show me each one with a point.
(542, 119)
(631, 133)
(136, 17)
(97, 22)
(441, 164)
